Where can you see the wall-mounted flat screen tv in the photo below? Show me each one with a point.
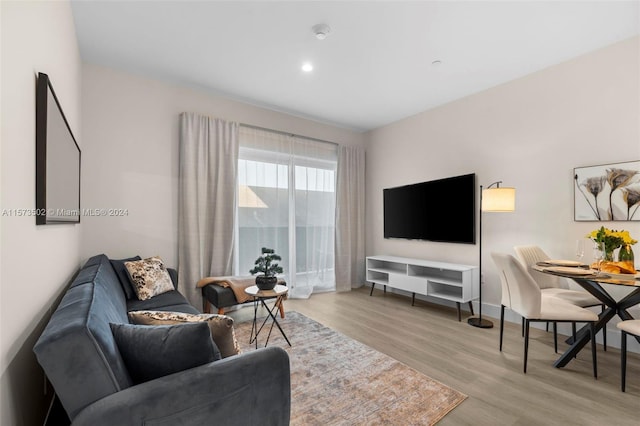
(57, 160)
(441, 210)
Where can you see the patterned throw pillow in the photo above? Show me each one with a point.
(221, 326)
(149, 277)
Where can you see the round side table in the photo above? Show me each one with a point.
(259, 298)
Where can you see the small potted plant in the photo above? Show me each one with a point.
(265, 264)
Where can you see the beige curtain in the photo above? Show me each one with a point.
(350, 211)
(206, 200)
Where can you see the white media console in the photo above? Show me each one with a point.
(450, 281)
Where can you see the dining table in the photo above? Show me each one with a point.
(595, 283)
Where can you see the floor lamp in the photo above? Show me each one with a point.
(491, 200)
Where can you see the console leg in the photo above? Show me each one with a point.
(372, 286)
(471, 308)
(459, 314)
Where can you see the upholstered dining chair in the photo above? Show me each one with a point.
(521, 294)
(556, 286)
(626, 327)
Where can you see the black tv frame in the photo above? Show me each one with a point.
(415, 210)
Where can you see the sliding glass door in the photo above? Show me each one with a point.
(286, 201)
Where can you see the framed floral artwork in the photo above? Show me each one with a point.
(609, 192)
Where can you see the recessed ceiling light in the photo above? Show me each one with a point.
(436, 63)
(307, 67)
(321, 31)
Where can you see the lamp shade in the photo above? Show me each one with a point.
(498, 199)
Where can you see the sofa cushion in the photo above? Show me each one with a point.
(152, 352)
(221, 326)
(149, 277)
(169, 301)
(123, 275)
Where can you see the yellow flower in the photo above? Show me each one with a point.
(612, 239)
(626, 237)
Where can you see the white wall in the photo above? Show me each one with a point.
(130, 156)
(36, 262)
(530, 133)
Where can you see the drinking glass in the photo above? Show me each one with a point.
(598, 254)
(580, 249)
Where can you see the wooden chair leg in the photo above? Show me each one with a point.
(220, 311)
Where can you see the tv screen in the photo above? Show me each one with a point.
(439, 210)
(57, 160)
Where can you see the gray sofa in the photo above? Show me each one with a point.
(80, 357)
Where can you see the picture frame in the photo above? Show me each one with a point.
(607, 193)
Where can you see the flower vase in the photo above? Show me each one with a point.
(626, 255)
(608, 256)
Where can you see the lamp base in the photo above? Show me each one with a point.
(480, 323)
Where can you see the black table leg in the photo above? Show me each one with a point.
(613, 307)
(274, 320)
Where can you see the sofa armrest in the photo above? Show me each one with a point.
(250, 388)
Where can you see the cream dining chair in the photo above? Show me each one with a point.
(556, 286)
(626, 327)
(521, 294)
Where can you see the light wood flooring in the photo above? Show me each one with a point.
(429, 338)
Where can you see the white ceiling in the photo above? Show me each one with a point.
(374, 68)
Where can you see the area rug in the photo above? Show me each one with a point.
(336, 380)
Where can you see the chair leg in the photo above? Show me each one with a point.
(623, 361)
(526, 344)
(573, 334)
(501, 325)
(604, 334)
(555, 335)
(592, 327)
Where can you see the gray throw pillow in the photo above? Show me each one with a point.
(150, 352)
(123, 275)
(221, 326)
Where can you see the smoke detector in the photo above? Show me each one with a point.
(321, 31)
